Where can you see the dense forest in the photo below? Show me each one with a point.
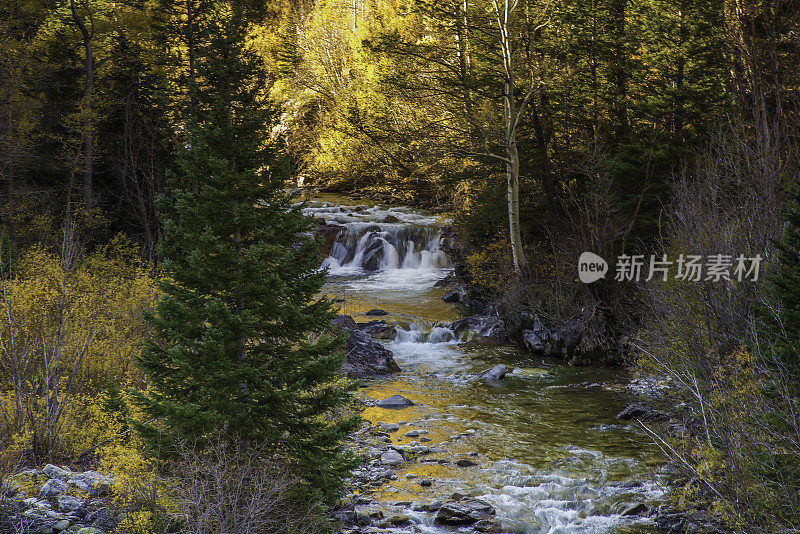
(164, 318)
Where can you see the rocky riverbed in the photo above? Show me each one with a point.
(531, 444)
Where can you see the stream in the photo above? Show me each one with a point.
(551, 456)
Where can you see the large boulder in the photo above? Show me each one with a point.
(582, 340)
(483, 326)
(463, 512)
(365, 356)
(344, 322)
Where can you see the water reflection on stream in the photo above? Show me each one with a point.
(551, 456)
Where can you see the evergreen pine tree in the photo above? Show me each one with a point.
(236, 342)
(784, 285)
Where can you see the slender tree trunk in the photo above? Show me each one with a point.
(512, 172)
(512, 154)
(462, 50)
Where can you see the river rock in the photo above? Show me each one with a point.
(327, 233)
(495, 373)
(391, 458)
(636, 509)
(376, 311)
(388, 427)
(399, 520)
(463, 512)
(428, 507)
(395, 401)
(56, 472)
(488, 526)
(390, 219)
(378, 329)
(415, 433)
(461, 296)
(68, 503)
(483, 326)
(52, 488)
(60, 525)
(373, 255)
(344, 322)
(642, 411)
(582, 340)
(365, 356)
(537, 339)
(455, 296)
(465, 463)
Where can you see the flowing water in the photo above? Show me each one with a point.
(551, 456)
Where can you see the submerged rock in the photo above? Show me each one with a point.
(395, 401)
(495, 373)
(376, 311)
(636, 509)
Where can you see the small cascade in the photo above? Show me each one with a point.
(373, 248)
(424, 345)
(425, 333)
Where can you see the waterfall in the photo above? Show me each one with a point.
(374, 247)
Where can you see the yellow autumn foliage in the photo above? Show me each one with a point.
(69, 324)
